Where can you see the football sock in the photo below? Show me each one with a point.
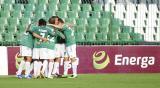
(19, 72)
(50, 68)
(27, 68)
(66, 64)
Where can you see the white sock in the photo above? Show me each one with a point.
(39, 68)
(74, 68)
(27, 68)
(31, 67)
(45, 64)
(35, 68)
(19, 72)
(61, 63)
(50, 68)
(55, 68)
(66, 63)
(46, 72)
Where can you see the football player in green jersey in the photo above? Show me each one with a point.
(40, 48)
(26, 45)
(54, 20)
(70, 44)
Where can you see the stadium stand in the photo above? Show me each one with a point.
(98, 23)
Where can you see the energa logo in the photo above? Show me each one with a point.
(100, 60)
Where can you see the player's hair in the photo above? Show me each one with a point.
(52, 19)
(42, 22)
(60, 20)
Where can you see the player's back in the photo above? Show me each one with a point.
(44, 32)
(69, 34)
(26, 40)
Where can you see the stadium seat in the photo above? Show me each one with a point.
(95, 14)
(21, 29)
(139, 23)
(97, 7)
(30, 7)
(140, 30)
(75, 1)
(41, 7)
(113, 36)
(104, 21)
(49, 13)
(80, 37)
(6, 7)
(86, 7)
(54, 1)
(25, 21)
(106, 14)
(1, 39)
(92, 29)
(18, 38)
(28, 14)
(83, 14)
(103, 29)
(5, 13)
(130, 14)
(101, 37)
(11, 29)
(108, 7)
(81, 21)
(72, 14)
(9, 1)
(61, 14)
(70, 21)
(80, 29)
(75, 7)
(42, 1)
(119, 11)
(127, 29)
(64, 1)
(93, 21)
(116, 24)
(32, 1)
(136, 37)
(2, 28)
(13, 21)
(9, 38)
(90, 37)
(18, 7)
(124, 37)
(3, 21)
(63, 7)
(129, 22)
(16, 14)
(52, 8)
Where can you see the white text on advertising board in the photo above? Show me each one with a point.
(143, 62)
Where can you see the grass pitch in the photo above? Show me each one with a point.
(86, 81)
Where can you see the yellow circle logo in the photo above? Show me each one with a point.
(18, 60)
(98, 56)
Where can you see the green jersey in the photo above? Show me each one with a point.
(44, 32)
(69, 36)
(51, 42)
(27, 40)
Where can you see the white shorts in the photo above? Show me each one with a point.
(51, 54)
(40, 53)
(25, 51)
(71, 51)
(60, 50)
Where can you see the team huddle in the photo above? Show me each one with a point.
(45, 45)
